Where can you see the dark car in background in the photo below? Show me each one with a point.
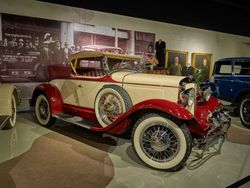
(231, 77)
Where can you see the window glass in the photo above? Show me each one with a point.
(223, 68)
(242, 68)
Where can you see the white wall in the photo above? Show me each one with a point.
(177, 37)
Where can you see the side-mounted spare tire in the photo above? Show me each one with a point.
(111, 101)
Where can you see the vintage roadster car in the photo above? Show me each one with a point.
(8, 101)
(104, 92)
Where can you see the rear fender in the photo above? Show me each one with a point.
(53, 95)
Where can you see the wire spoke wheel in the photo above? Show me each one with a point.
(110, 108)
(159, 143)
(245, 112)
(43, 113)
(110, 103)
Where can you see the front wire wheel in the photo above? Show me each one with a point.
(161, 141)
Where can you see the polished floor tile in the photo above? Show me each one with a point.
(221, 170)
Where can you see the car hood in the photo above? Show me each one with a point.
(147, 79)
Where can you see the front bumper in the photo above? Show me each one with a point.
(219, 122)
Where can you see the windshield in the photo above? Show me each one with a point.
(121, 64)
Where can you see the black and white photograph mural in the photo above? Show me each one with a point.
(29, 45)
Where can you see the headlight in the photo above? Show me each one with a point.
(205, 93)
(187, 97)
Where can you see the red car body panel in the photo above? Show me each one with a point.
(197, 124)
(204, 109)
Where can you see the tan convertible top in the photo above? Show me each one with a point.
(86, 54)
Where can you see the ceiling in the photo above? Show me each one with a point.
(230, 16)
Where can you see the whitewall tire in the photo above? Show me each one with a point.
(245, 112)
(110, 103)
(12, 120)
(161, 142)
(43, 113)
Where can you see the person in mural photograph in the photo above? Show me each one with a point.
(204, 70)
(160, 52)
(37, 44)
(20, 46)
(175, 68)
(45, 55)
(12, 44)
(57, 54)
(66, 53)
(187, 70)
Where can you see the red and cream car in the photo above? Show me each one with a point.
(104, 92)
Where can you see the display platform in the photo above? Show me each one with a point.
(71, 156)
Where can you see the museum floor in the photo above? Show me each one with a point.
(70, 156)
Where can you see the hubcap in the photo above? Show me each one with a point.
(159, 142)
(110, 108)
(43, 110)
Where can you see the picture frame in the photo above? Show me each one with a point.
(171, 54)
(203, 63)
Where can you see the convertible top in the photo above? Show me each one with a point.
(86, 54)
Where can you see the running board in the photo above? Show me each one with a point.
(4, 121)
(76, 120)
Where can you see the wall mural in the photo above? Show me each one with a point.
(29, 44)
(26, 47)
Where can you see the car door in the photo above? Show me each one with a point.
(91, 81)
(223, 79)
(241, 81)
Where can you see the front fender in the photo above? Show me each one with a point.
(53, 95)
(6, 91)
(168, 107)
(171, 108)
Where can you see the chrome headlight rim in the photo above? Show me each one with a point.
(205, 93)
(187, 97)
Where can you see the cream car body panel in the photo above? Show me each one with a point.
(74, 92)
(140, 87)
(6, 91)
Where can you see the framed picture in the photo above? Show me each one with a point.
(202, 62)
(172, 54)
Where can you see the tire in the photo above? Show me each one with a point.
(110, 103)
(152, 136)
(42, 109)
(245, 111)
(12, 120)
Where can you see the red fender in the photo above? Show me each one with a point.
(53, 95)
(168, 107)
